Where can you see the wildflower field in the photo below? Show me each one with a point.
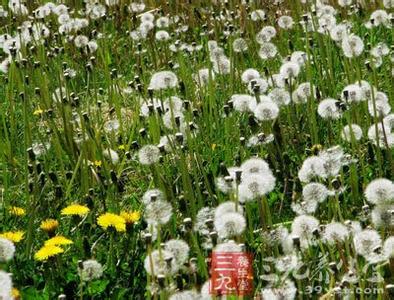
(144, 143)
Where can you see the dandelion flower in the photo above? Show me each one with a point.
(7, 249)
(112, 220)
(254, 166)
(47, 251)
(91, 269)
(185, 295)
(49, 225)
(204, 214)
(289, 70)
(17, 211)
(280, 96)
(130, 216)
(286, 291)
(58, 240)
(13, 236)
(75, 210)
(285, 22)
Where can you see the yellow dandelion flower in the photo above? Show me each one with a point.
(38, 112)
(75, 209)
(47, 251)
(58, 241)
(98, 163)
(130, 216)
(122, 147)
(15, 293)
(112, 220)
(49, 225)
(13, 236)
(17, 211)
(213, 147)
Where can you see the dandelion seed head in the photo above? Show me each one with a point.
(160, 262)
(266, 110)
(7, 249)
(158, 212)
(383, 216)
(351, 131)
(225, 208)
(366, 241)
(249, 74)
(185, 295)
(267, 50)
(163, 80)
(312, 167)
(304, 226)
(352, 46)
(230, 224)
(229, 246)
(380, 191)
(285, 22)
(179, 250)
(6, 285)
(335, 233)
(254, 186)
(286, 291)
(149, 154)
(240, 45)
(258, 15)
(328, 109)
(388, 247)
(243, 102)
(204, 214)
(257, 85)
(265, 34)
(91, 269)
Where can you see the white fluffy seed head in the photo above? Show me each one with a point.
(149, 154)
(352, 45)
(230, 225)
(266, 110)
(7, 250)
(328, 109)
(351, 131)
(163, 80)
(335, 233)
(91, 269)
(366, 241)
(380, 191)
(158, 212)
(254, 186)
(243, 102)
(315, 191)
(179, 250)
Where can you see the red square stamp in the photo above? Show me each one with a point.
(231, 273)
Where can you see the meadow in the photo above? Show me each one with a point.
(138, 139)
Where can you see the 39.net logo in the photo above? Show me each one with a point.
(231, 273)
